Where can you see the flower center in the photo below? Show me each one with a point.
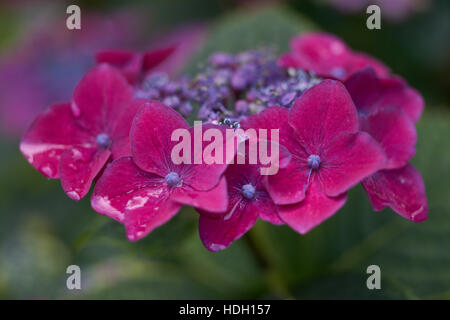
(314, 161)
(172, 179)
(248, 191)
(103, 140)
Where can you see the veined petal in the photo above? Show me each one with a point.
(218, 233)
(401, 189)
(78, 167)
(312, 211)
(395, 132)
(53, 132)
(138, 199)
(214, 200)
(321, 113)
(349, 159)
(371, 94)
(99, 98)
(150, 136)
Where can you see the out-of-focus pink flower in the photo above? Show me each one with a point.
(148, 189)
(247, 200)
(44, 67)
(388, 109)
(329, 57)
(73, 141)
(134, 65)
(329, 154)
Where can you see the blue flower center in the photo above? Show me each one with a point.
(248, 191)
(314, 161)
(172, 179)
(103, 140)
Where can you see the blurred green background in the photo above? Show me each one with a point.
(42, 231)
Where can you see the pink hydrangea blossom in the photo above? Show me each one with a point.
(388, 109)
(73, 141)
(329, 154)
(328, 56)
(148, 189)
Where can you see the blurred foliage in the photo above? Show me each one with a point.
(42, 231)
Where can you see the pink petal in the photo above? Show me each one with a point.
(321, 113)
(349, 159)
(214, 200)
(206, 175)
(137, 199)
(329, 56)
(289, 185)
(53, 132)
(267, 209)
(312, 211)
(128, 62)
(401, 189)
(78, 167)
(99, 99)
(150, 136)
(218, 233)
(120, 135)
(154, 58)
(371, 94)
(395, 132)
(274, 118)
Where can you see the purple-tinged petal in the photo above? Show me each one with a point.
(312, 211)
(401, 189)
(53, 132)
(371, 94)
(78, 168)
(321, 113)
(99, 98)
(349, 159)
(138, 199)
(214, 200)
(150, 136)
(218, 233)
(128, 62)
(267, 209)
(395, 132)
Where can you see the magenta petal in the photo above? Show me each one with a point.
(371, 94)
(321, 113)
(150, 136)
(267, 209)
(401, 189)
(53, 132)
(128, 62)
(395, 132)
(274, 118)
(78, 167)
(99, 98)
(214, 200)
(288, 186)
(312, 211)
(349, 159)
(121, 132)
(133, 197)
(218, 233)
(154, 58)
